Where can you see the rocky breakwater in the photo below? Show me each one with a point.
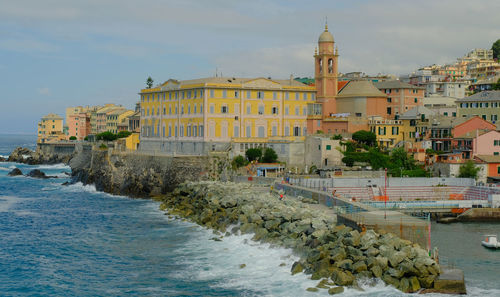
(142, 176)
(337, 256)
(27, 156)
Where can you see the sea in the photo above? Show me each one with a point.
(72, 240)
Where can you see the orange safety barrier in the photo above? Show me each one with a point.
(456, 196)
(380, 198)
(458, 210)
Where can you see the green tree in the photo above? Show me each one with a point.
(377, 159)
(348, 161)
(239, 161)
(468, 169)
(270, 156)
(86, 138)
(123, 134)
(253, 154)
(149, 82)
(496, 49)
(365, 137)
(107, 136)
(337, 137)
(72, 138)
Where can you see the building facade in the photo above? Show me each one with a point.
(485, 104)
(201, 115)
(401, 96)
(50, 128)
(79, 125)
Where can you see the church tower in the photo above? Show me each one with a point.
(325, 73)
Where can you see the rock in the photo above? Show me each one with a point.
(427, 281)
(312, 289)
(342, 278)
(372, 252)
(336, 290)
(36, 173)
(377, 271)
(297, 268)
(396, 258)
(383, 262)
(215, 239)
(15, 172)
(359, 266)
(395, 273)
(390, 280)
(345, 264)
(414, 284)
(404, 285)
(243, 266)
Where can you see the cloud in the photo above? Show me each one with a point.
(43, 91)
(27, 45)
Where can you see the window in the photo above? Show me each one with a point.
(358, 114)
(189, 109)
(454, 114)
(248, 94)
(249, 109)
(211, 93)
(224, 93)
(313, 96)
(212, 108)
(498, 169)
(236, 131)
(249, 131)
(261, 109)
(297, 110)
(260, 95)
(224, 109)
(296, 131)
(274, 131)
(495, 153)
(389, 110)
(297, 96)
(169, 131)
(201, 108)
(194, 110)
(319, 147)
(274, 110)
(395, 130)
(304, 111)
(286, 110)
(304, 96)
(416, 100)
(261, 132)
(328, 147)
(389, 100)
(275, 95)
(287, 95)
(236, 94)
(201, 130)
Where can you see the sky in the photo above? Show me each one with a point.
(60, 53)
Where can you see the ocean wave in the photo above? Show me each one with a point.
(53, 167)
(4, 156)
(89, 188)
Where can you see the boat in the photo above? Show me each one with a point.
(491, 242)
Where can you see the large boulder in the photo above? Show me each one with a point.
(15, 172)
(36, 173)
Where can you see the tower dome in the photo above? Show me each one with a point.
(326, 36)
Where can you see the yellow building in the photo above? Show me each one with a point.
(200, 115)
(115, 118)
(50, 128)
(388, 132)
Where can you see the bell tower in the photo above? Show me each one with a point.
(325, 60)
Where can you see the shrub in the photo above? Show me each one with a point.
(72, 138)
(107, 136)
(103, 146)
(270, 156)
(348, 161)
(365, 137)
(253, 154)
(337, 137)
(239, 161)
(123, 134)
(468, 169)
(86, 138)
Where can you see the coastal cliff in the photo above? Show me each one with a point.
(27, 156)
(336, 255)
(143, 176)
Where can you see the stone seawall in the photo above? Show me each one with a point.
(140, 175)
(336, 255)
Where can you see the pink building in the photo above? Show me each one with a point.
(79, 125)
(487, 144)
(472, 124)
